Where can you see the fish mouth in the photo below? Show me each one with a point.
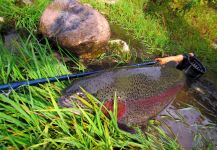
(64, 102)
(70, 100)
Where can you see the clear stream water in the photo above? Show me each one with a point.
(188, 120)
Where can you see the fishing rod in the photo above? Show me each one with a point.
(36, 82)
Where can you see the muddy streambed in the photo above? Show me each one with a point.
(191, 118)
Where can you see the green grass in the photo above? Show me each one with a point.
(190, 31)
(26, 16)
(163, 30)
(32, 119)
(129, 15)
(30, 116)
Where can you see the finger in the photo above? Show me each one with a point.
(157, 59)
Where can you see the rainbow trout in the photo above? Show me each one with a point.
(141, 92)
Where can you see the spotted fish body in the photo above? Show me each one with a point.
(141, 92)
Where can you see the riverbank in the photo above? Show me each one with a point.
(30, 116)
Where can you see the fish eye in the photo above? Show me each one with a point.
(80, 94)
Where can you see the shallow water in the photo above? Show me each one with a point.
(191, 122)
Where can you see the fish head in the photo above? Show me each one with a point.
(70, 100)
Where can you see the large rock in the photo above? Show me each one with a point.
(76, 27)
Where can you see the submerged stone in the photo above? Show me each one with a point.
(141, 92)
(118, 45)
(191, 128)
(77, 27)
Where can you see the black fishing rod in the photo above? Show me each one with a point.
(36, 82)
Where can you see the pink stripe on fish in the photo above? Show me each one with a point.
(110, 105)
(158, 98)
(141, 103)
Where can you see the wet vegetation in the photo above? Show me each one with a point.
(167, 27)
(30, 116)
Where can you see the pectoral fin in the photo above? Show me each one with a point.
(126, 128)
